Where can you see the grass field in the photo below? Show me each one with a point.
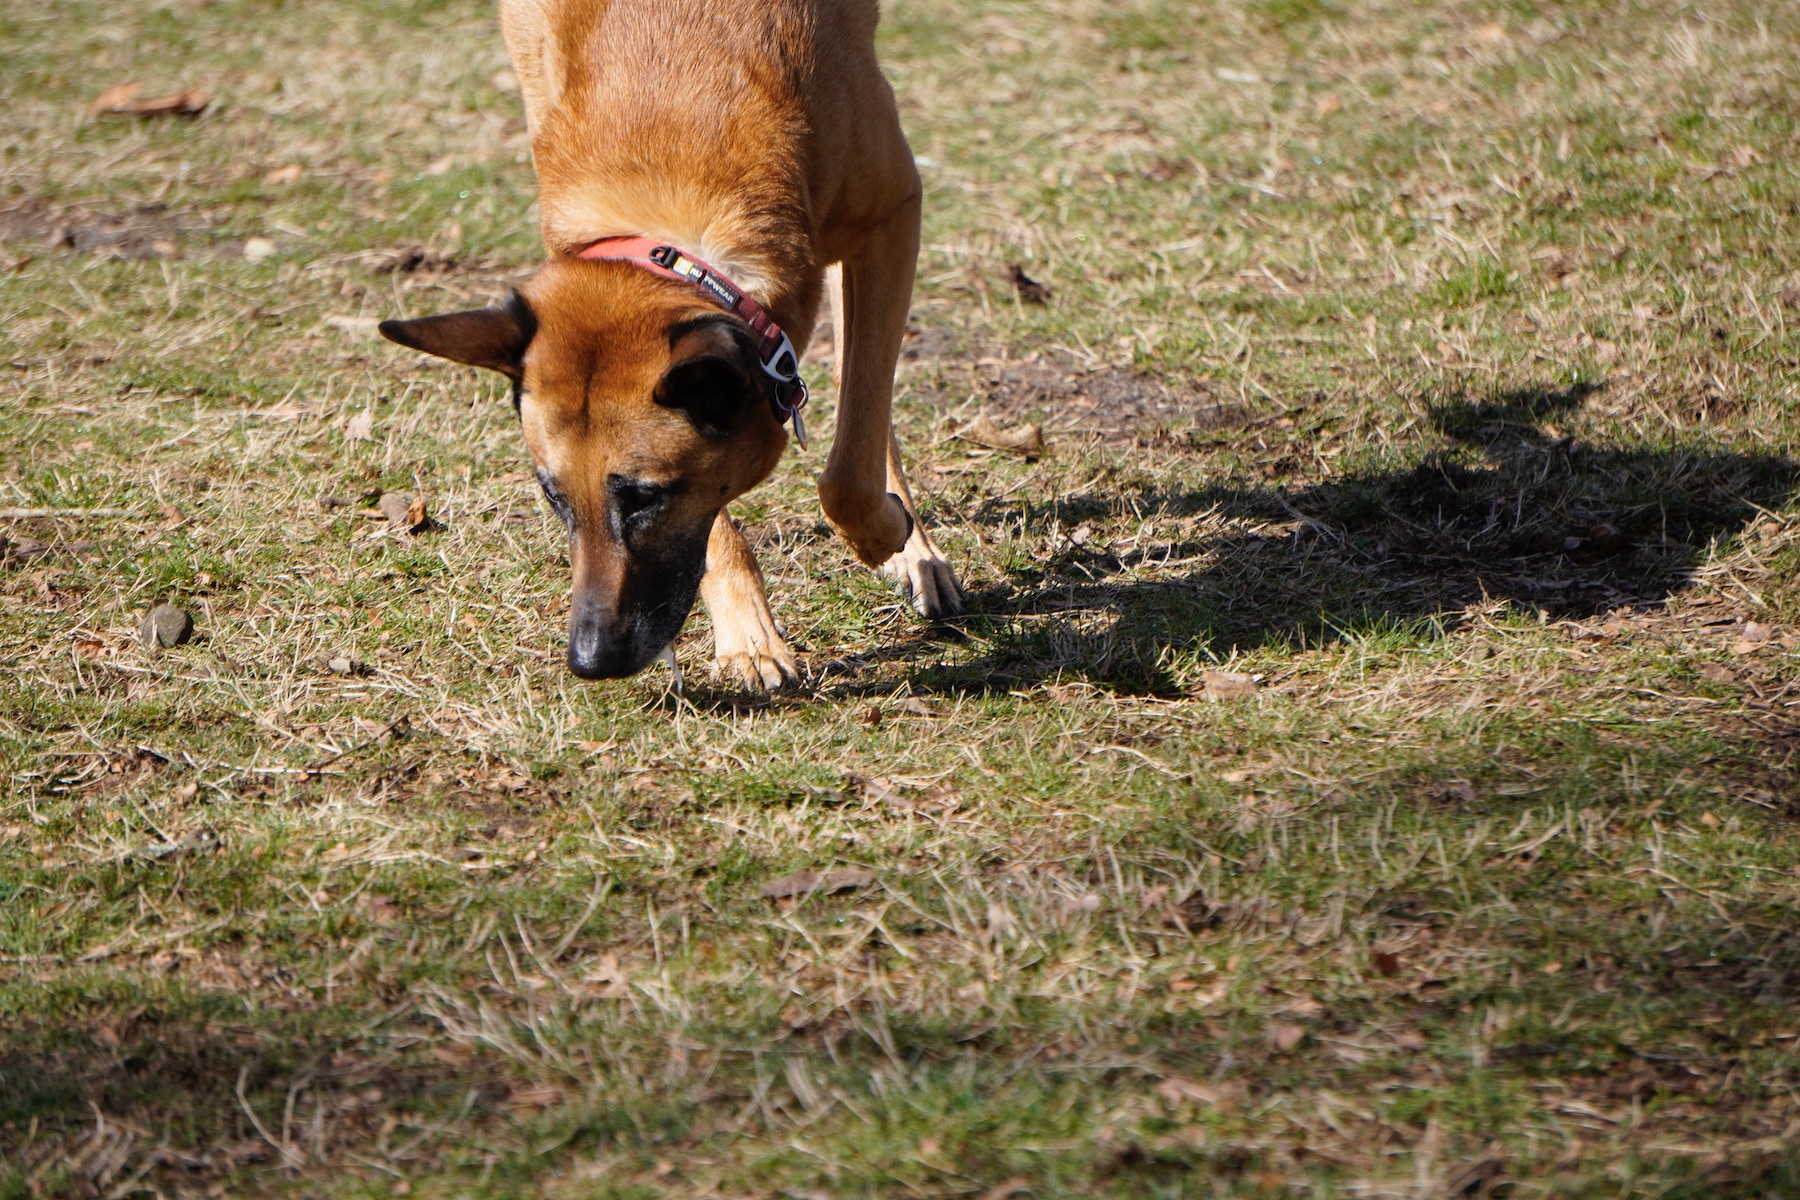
(1365, 768)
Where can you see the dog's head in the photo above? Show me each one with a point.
(645, 411)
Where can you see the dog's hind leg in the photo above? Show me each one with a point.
(747, 648)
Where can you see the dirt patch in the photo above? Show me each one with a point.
(146, 231)
(1074, 400)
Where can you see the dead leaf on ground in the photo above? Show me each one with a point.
(360, 427)
(1285, 1036)
(1193, 913)
(1006, 1189)
(1177, 1090)
(282, 176)
(379, 910)
(106, 101)
(534, 1096)
(248, 1151)
(1029, 289)
(877, 789)
(185, 103)
(807, 883)
(1480, 1179)
(1027, 440)
(1608, 539)
(407, 259)
(21, 548)
(121, 99)
(1455, 791)
(1229, 685)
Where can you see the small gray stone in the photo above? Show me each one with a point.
(394, 506)
(165, 625)
(339, 666)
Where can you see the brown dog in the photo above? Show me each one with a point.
(701, 163)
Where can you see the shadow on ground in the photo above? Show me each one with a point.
(1510, 512)
(129, 1089)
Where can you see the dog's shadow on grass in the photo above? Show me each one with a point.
(1511, 511)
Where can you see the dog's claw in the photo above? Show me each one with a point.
(925, 578)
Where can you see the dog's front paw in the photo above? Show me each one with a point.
(875, 532)
(924, 577)
(758, 672)
(753, 655)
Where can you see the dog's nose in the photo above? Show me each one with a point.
(598, 648)
(594, 653)
(587, 663)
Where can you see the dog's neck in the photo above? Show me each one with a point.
(740, 247)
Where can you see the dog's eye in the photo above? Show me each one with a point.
(634, 496)
(559, 503)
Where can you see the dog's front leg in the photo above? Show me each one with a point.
(917, 567)
(746, 646)
(872, 293)
(920, 570)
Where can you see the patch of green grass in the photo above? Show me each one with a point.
(1483, 279)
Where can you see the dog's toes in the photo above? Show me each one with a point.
(936, 594)
(749, 650)
(925, 579)
(759, 671)
(944, 597)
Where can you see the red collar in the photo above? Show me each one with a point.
(773, 350)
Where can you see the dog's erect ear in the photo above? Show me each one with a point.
(494, 337)
(711, 390)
